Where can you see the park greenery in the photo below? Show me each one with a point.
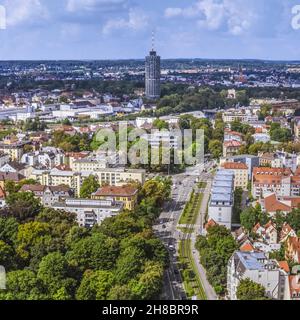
(47, 256)
(215, 251)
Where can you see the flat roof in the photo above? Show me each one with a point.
(251, 260)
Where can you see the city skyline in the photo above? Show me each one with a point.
(121, 29)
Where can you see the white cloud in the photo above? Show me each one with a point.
(91, 5)
(173, 12)
(231, 16)
(137, 20)
(25, 12)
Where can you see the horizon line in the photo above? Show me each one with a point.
(142, 59)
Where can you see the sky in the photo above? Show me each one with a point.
(121, 29)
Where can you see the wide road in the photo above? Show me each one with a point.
(166, 226)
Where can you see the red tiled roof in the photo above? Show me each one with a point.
(284, 266)
(122, 191)
(235, 165)
(270, 175)
(273, 205)
(272, 171)
(233, 133)
(210, 223)
(232, 143)
(247, 247)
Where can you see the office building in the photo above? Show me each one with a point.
(152, 75)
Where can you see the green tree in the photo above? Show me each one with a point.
(22, 285)
(8, 230)
(249, 290)
(7, 256)
(293, 219)
(89, 186)
(149, 283)
(23, 205)
(215, 148)
(97, 252)
(160, 124)
(53, 273)
(95, 285)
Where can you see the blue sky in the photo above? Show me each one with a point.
(112, 29)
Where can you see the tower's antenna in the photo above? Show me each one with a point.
(153, 40)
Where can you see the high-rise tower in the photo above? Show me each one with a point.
(152, 78)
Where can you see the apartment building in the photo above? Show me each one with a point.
(126, 194)
(258, 268)
(232, 136)
(120, 176)
(10, 176)
(13, 147)
(57, 177)
(168, 139)
(231, 148)
(280, 181)
(222, 198)
(73, 179)
(47, 157)
(89, 164)
(240, 171)
(234, 115)
(48, 195)
(90, 212)
(249, 160)
(94, 162)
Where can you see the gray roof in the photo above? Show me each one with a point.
(252, 260)
(222, 183)
(227, 197)
(221, 190)
(244, 156)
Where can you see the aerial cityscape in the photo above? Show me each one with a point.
(166, 177)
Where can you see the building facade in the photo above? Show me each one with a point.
(258, 268)
(222, 198)
(152, 77)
